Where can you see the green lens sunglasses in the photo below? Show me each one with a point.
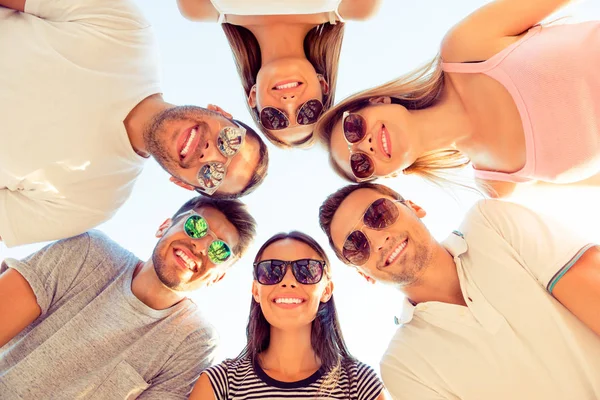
(196, 227)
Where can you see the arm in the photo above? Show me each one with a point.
(18, 305)
(359, 10)
(579, 289)
(481, 34)
(203, 389)
(198, 10)
(384, 395)
(17, 5)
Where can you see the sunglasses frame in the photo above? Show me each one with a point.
(350, 145)
(361, 223)
(213, 235)
(287, 118)
(287, 265)
(212, 190)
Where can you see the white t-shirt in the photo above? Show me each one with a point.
(513, 340)
(70, 73)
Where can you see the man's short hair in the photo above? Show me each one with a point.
(235, 211)
(260, 172)
(332, 203)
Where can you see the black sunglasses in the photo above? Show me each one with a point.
(381, 214)
(274, 119)
(306, 271)
(355, 131)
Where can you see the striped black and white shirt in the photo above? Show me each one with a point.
(244, 380)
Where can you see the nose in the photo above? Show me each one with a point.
(210, 152)
(288, 279)
(367, 145)
(379, 239)
(200, 246)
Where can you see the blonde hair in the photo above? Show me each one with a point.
(417, 90)
(322, 46)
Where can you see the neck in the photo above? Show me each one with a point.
(150, 290)
(278, 41)
(290, 352)
(140, 118)
(444, 125)
(439, 282)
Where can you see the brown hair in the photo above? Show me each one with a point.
(322, 46)
(326, 334)
(235, 211)
(332, 203)
(417, 90)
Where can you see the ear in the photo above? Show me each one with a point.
(162, 229)
(252, 97)
(381, 100)
(255, 292)
(328, 292)
(181, 183)
(219, 110)
(367, 277)
(418, 210)
(324, 84)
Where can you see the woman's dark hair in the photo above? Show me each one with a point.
(326, 334)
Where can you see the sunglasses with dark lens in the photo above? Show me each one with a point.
(355, 131)
(274, 119)
(306, 271)
(381, 214)
(196, 227)
(212, 173)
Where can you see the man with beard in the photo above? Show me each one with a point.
(80, 111)
(85, 318)
(505, 308)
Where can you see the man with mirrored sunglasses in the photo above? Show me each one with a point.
(85, 318)
(505, 308)
(76, 133)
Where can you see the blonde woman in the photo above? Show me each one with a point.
(520, 101)
(286, 53)
(295, 346)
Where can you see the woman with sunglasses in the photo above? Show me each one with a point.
(520, 101)
(295, 346)
(286, 53)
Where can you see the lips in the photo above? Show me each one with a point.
(186, 259)
(188, 142)
(396, 252)
(288, 301)
(385, 142)
(287, 85)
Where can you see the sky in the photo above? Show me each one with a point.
(197, 68)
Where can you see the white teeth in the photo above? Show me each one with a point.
(385, 144)
(188, 261)
(186, 148)
(287, 85)
(396, 252)
(285, 300)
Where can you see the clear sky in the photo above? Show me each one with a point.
(198, 69)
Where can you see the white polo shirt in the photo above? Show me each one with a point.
(70, 73)
(513, 340)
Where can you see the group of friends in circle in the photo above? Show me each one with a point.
(505, 307)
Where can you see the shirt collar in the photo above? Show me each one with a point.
(456, 244)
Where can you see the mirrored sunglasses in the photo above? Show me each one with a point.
(306, 271)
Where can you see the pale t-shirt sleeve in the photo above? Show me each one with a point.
(53, 270)
(24, 220)
(117, 14)
(401, 383)
(178, 376)
(547, 248)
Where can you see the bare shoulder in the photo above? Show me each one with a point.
(203, 389)
(359, 9)
(198, 10)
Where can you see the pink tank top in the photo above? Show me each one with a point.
(553, 75)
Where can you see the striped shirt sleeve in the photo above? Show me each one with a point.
(369, 386)
(217, 374)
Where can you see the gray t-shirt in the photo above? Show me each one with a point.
(94, 338)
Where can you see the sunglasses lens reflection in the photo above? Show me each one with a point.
(355, 128)
(270, 272)
(309, 112)
(218, 252)
(356, 248)
(381, 214)
(362, 166)
(230, 141)
(273, 119)
(196, 227)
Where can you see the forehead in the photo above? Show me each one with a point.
(289, 250)
(220, 225)
(350, 212)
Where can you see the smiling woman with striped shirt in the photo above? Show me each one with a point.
(295, 348)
